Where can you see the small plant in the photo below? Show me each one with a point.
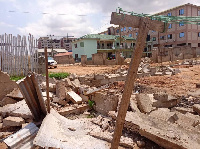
(16, 78)
(91, 103)
(59, 75)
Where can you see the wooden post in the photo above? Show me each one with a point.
(132, 73)
(47, 80)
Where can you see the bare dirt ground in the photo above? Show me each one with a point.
(180, 84)
(83, 70)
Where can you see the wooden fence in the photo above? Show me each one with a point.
(18, 55)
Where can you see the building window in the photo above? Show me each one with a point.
(181, 24)
(181, 34)
(130, 35)
(124, 28)
(198, 12)
(154, 38)
(162, 37)
(129, 28)
(198, 34)
(153, 31)
(181, 11)
(169, 14)
(170, 26)
(121, 29)
(169, 36)
(136, 33)
(117, 31)
(81, 44)
(198, 44)
(75, 45)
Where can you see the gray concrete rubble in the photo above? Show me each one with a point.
(75, 98)
(7, 100)
(15, 94)
(196, 108)
(13, 121)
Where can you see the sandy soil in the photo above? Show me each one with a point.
(83, 70)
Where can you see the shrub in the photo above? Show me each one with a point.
(59, 75)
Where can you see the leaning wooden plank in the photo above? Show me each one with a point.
(130, 79)
(167, 135)
(134, 21)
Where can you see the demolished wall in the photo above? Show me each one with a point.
(65, 59)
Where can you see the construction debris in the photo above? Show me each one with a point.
(75, 98)
(13, 121)
(15, 94)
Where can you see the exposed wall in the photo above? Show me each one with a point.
(173, 54)
(101, 59)
(66, 59)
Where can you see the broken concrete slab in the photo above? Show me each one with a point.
(133, 104)
(6, 84)
(60, 90)
(75, 98)
(107, 136)
(105, 102)
(163, 100)
(167, 135)
(18, 109)
(182, 110)
(59, 132)
(144, 102)
(84, 98)
(76, 83)
(7, 100)
(164, 114)
(73, 109)
(196, 108)
(15, 94)
(13, 121)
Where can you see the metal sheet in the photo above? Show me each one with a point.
(23, 139)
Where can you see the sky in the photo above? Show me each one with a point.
(71, 17)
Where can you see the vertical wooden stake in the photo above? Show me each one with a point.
(47, 80)
(132, 73)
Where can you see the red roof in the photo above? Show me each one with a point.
(63, 54)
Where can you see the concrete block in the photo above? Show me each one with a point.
(104, 81)
(165, 101)
(72, 77)
(16, 94)
(67, 82)
(75, 98)
(85, 98)
(52, 87)
(99, 77)
(105, 102)
(144, 102)
(7, 100)
(76, 83)
(60, 90)
(196, 108)
(13, 121)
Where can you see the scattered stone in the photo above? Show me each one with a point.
(67, 82)
(197, 85)
(7, 100)
(13, 121)
(84, 98)
(16, 94)
(196, 108)
(4, 135)
(1, 119)
(52, 87)
(76, 83)
(75, 98)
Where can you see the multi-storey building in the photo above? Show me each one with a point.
(49, 42)
(179, 34)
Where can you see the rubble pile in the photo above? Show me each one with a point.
(84, 108)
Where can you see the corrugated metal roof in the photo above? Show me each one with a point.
(23, 138)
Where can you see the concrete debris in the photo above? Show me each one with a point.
(56, 132)
(107, 136)
(75, 98)
(68, 83)
(145, 102)
(15, 94)
(76, 83)
(196, 108)
(105, 102)
(77, 109)
(6, 85)
(7, 100)
(167, 135)
(61, 90)
(13, 121)
(18, 109)
(141, 144)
